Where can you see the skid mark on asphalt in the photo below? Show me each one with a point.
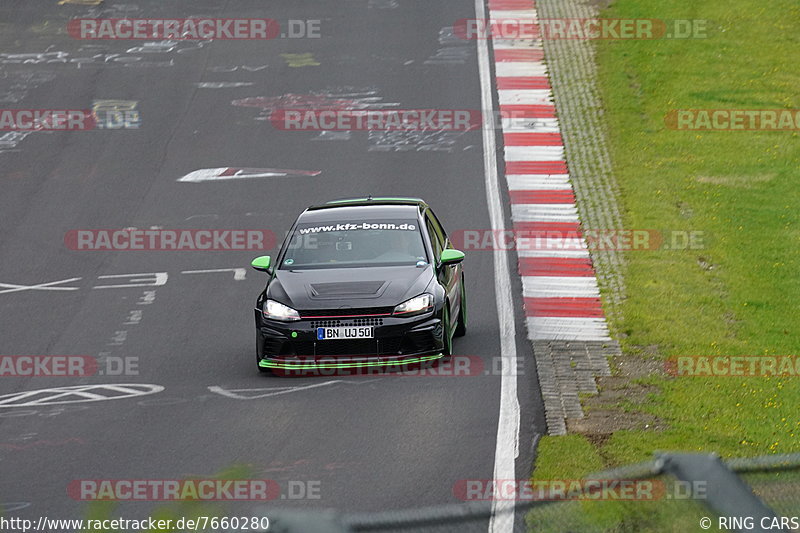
(98, 55)
(414, 140)
(342, 99)
(453, 50)
(334, 98)
(15, 86)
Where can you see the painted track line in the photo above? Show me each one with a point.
(507, 444)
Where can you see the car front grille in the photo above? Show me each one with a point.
(334, 323)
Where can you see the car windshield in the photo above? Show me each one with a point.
(355, 244)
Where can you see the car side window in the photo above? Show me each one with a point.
(437, 226)
(438, 239)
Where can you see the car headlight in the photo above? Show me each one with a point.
(278, 311)
(416, 305)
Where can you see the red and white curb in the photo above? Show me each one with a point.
(562, 299)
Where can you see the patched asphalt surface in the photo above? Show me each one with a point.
(370, 444)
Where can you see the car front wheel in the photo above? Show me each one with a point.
(461, 325)
(447, 335)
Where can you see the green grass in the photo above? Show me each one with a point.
(740, 295)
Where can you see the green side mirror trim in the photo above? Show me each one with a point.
(452, 256)
(262, 263)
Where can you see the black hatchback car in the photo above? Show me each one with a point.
(367, 282)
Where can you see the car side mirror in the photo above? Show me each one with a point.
(262, 263)
(452, 257)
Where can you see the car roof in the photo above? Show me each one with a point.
(361, 211)
(369, 200)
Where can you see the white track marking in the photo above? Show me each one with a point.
(79, 393)
(222, 84)
(544, 213)
(523, 16)
(226, 173)
(267, 392)
(519, 69)
(517, 44)
(530, 125)
(152, 279)
(534, 153)
(238, 273)
(10, 287)
(572, 247)
(507, 445)
(524, 96)
(560, 287)
(568, 328)
(526, 182)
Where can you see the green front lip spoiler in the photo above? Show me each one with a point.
(311, 366)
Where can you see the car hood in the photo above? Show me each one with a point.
(334, 288)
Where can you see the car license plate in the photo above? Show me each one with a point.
(345, 333)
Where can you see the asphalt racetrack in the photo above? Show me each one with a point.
(179, 324)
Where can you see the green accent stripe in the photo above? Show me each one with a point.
(295, 366)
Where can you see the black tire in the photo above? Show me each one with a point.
(461, 325)
(447, 336)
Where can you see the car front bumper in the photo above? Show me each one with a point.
(397, 341)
